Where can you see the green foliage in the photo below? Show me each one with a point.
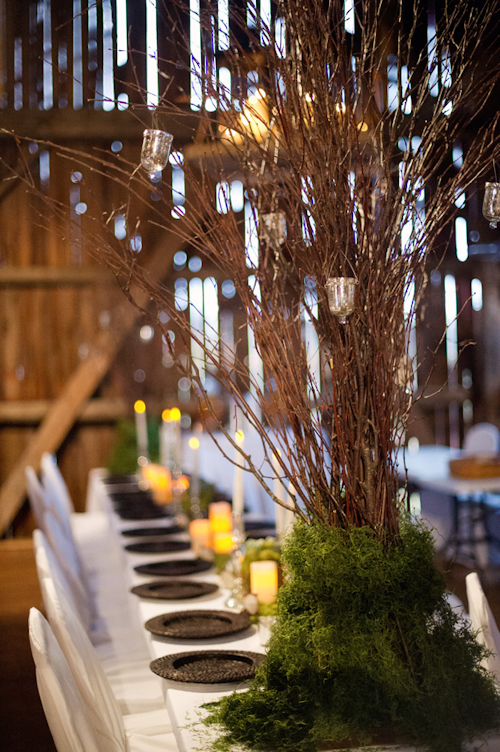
(365, 643)
(124, 456)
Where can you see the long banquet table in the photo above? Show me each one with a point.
(183, 700)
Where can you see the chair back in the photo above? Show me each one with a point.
(483, 438)
(66, 716)
(48, 565)
(483, 622)
(54, 482)
(92, 683)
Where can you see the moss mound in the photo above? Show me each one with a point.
(366, 642)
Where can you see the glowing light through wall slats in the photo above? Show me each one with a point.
(251, 14)
(121, 33)
(223, 24)
(461, 243)
(224, 90)
(432, 58)
(77, 56)
(311, 341)
(48, 93)
(222, 197)
(18, 73)
(255, 365)
(349, 18)
(197, 324)
(196, 96)
(265, 22)
(280, 37)
(176, 159)
(237, 197)
(409, 312)
(251, 236)
(211, 319)
(308, 224)
(450, 312)
(108, 76)
(476, 289)
(152, 95)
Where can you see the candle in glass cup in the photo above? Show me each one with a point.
(223, 542)
(219, 514)
(264, 580)
(201, 535)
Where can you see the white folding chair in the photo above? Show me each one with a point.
(65, 712)
(143, 732)
(48, 565)
(483, 622)
(36, 496)
(54, 482)
(132, 685)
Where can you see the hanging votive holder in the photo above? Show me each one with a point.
(341, 293)
(273, 229)
(155, 150)
(491, 204)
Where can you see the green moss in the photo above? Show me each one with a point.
(365, 642)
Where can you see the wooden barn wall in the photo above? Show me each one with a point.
(46, 326)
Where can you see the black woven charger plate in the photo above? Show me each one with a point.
(208, 666)
(150, 513)
(153, 532)
(175, 568)
(198, 625)
(158, 547)
(174, 590)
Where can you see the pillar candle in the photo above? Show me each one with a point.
(219, 514)
(141, 428)
(223, 543)
(238, 494)
(200, 533)
(264, 580)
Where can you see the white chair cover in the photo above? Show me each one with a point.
(36, 496)
(48, 566)
(64, 546)
(54, 482)
(483, 622)
(61, 701)
(143, 731)
(89, 676)
(483, 438)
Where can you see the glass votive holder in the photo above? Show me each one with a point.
(341, 293)
(273, 229)
(266, 624)
(491, 204)
(155, 150)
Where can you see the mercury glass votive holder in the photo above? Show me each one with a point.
(491, 203)
(155, 150)
(273, 229)
(341, 293)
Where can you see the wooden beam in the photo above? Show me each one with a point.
(88, 124)
(47, 276)
(32, 412)
(81, 385)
